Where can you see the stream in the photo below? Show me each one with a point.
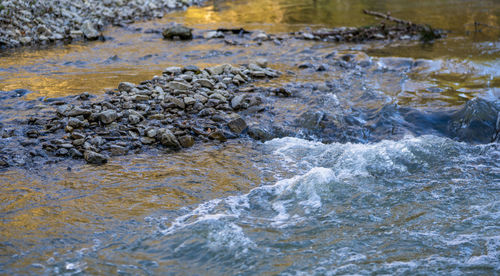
(385, 160)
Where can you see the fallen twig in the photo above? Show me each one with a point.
(389, 17)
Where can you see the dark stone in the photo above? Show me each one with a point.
(108, 116)
(207, 112)
(75, 123)
(75, 153)
(95, 158)
(191, 68)
(167, 138)
(186, 141)
(218, 135)
(260, 134)
(116, 150)
(237, 125)
(179, 31)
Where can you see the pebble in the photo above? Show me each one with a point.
(31, 23)
(177, 109)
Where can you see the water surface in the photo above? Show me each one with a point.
(411, 200)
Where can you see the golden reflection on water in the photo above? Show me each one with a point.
(88, 199)
(72, 69)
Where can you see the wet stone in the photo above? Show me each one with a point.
(237, 125)
(167, 138)
(186, 141)
(108, 116)
(134, 119)
(126, 86)
(218, 135)
(178, 31)
(116, 150)
(189, 100)
(75, 123)
(95, 158)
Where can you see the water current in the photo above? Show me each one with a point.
(384, 165)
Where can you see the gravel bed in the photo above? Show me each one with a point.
(38, 22)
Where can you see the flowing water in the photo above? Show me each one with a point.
(402, 177)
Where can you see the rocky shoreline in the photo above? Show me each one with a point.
(172, 111)
(27, 22)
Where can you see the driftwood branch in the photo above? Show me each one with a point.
(389, 17)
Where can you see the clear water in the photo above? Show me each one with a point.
(411, 203)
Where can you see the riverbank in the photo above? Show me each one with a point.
(25, 23)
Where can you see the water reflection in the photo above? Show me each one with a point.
(133, 55)
(49, 209)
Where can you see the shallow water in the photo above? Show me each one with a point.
(388, 193)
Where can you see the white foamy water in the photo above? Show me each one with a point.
(419, 204)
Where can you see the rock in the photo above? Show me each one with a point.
(63, 110)
(218, 96)
(207, 112)
(306, 65)
(151, 133)
(283, 91)
(62, 152)
(218, 135)
(192, 68)
(204, 83)
(95, 158)
(186, 141)
(126, 86)
(213, 34)
(75, 153)
(77, 135)
(108, 116)
(116, 150)
(174, 70)
(179, 31)
(178, 102)
(260, 134)
(156, 116)
(237, 125)
(167, 138)
(237, 101)
(147, 140)
(77, 112)
(261, 62)
(216, 70)
(75, 123)
(258, 74)
(78, 142)
(3, 163)
(200, 98)
(134, 119)
(238, 79)
(89, 30)
(179, 85)
(189, 100)
(140, 98)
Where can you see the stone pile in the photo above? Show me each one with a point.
(28, 22)
(173, 111)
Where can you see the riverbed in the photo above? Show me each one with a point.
(384, 159)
